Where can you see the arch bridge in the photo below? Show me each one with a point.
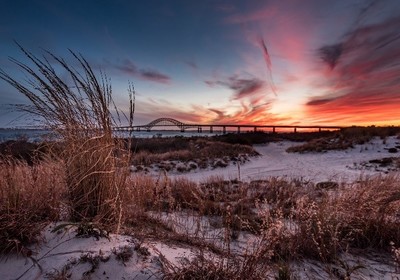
(170, 122)
(166, 122)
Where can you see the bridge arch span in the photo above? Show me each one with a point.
(166, 122)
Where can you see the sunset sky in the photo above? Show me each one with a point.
(223, 61)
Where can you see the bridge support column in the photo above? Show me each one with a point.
(199, 129)
(295, 129)
(211, 129)
(224, 129)
(238, 129)
(273, 129)
(319, 129)
(255, 129)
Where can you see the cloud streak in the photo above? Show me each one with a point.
(241, 87)
(127, 67)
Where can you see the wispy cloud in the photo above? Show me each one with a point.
(155, 76)
(191, 64)
(129, 68)
(318, 101)
(242, 87)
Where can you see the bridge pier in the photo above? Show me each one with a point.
(255, 129)
(273, 129)
(238, 129)
(295, 129)
(211, 129)
(319, 129)
(199, 129)
(224, 129)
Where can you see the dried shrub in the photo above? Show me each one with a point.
(362, 215)
(371, 209)
(250, 266)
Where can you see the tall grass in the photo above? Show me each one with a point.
(79, 108)
(30, 197)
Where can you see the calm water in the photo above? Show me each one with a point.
(32, 135)
(37, 135)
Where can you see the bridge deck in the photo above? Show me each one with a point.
(224, 127)
(169, 122)
(235, 125)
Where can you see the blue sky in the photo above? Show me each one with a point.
(204, 61)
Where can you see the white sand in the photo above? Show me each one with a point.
(274, 161)
(59, 250)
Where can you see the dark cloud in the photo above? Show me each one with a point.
(210, 83)
(268, 62)
(155, 76)
(244, 87)
(129, 68)
(220, 113)
(241, 87)
(192, 65)
(316, 102)
(331, 54)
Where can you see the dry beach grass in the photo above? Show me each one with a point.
(31, 197)
(289, 220)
